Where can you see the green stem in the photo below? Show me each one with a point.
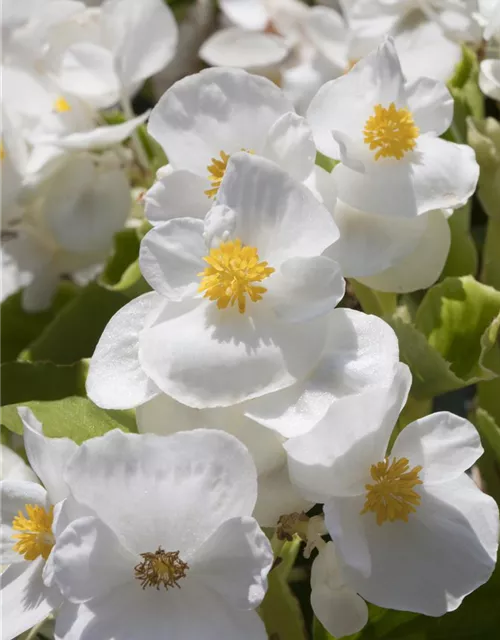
(491, 256)
(140, 151)
(34, 631)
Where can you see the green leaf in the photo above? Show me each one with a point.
(74, 333)
(20, 328)
(325, 162)
(462, 258)
(73, 417)
(454, 340)
(378, 303)
(280, 609)
(489, 462)
(25, 381)
(122, 272)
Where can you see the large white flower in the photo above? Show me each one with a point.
(385, 252)
(245, 293)
(27, 536)
(204, 119)
(400, 518)
(170, 548)
(385, 133)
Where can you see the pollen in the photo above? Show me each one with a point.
(61, 105)
(392, 497)
(161, 568)
(35, 538)
(232, 273)
(216, 172)
(391, 132)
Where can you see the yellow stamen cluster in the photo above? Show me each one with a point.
(391, 131)
(61, 105)
(392, 496)
(233, 269)
(161, 568)
(216, 172)
(36, 538)
(2, 150)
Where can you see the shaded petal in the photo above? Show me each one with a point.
(116, 379)
(171, 257)
(178, 194)
(361, 352)
(208, 357)
(431, 105)
(181, 486)
(249, 14)
(489, 78)
(235, 561)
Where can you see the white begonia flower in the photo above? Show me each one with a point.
(489, 73)
(385, 252)
(399, 519)
(427, 35)
(170, 548)
(385, 133)
(246, 292)
(27, 535)
(336, 605)
(205, 118)
(13, 157)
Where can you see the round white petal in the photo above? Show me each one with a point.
(171, 257)
(361, 352)
(489, 78)
(13, 466)
(116, 379)
(413, 272)
(443, 444)
(178, 194)
(208, 357)
(171, 491)
(431, 105)
(212, 111)
(249, 14)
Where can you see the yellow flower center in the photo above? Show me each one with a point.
(61, 105)
(392, 496)
(161, 568)
(216, 172)
(233, 269)
(2, 150)
(391, 131)
(36, 538)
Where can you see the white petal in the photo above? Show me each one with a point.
(413, 272)
(274, 213)
(370, 243)
(145, 40)
(171, 491)
(235, 47)
(179, 194)
(443, 444)
(431, 105)
(208, 357)
(171, 257)
(24, 598)
(249, 14)
(16, 494)
(430, 563)
(305, 288)
(101, 137)
(339, 608)
(277, 496)
(116, 379)
(48, 456)
(346, 103)
(212, 111)
(291, 146)
(193, 611)
(335, 457)
(13, 466)
(327, 29)
(89, 560)
(235, 561)
(361, 352)
(489, 78)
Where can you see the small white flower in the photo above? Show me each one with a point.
(400, 519)
(29, 512)
(489, 75)
(170, 547)
(385, 133)
(204, 119)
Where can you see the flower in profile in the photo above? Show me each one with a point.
(203, 119)
(170, 545)
(412, 504)
(385, 133)
(27, 530)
